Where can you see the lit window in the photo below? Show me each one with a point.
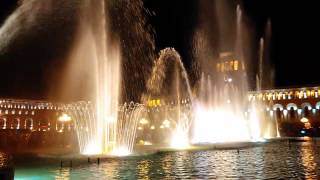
(312, 93)
(218, 67)
(235, 65)
(231, 66)
(222, 67)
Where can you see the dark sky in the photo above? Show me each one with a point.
(295, 42)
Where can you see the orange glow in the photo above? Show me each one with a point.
(307, 125)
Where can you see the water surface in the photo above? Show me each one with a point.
(280, 160)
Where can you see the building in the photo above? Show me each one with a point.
(31, 124)
(297, 110)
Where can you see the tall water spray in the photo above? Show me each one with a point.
(169, 81)
(92, 68)
(96, 57)
(264, 80)
(222, 111)
(112, 125)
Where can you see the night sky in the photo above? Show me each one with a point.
(295, 47)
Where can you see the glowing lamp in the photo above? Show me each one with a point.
(166, 123)
(143, 121)
(64, 118)
(304, 120)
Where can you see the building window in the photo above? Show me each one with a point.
(236, 65)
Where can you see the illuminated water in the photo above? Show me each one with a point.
(169, 81)
(276, 160)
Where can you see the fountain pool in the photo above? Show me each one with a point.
(275, 159)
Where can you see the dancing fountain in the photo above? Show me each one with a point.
(222, 111)
(104, 126)
(215, 110)
(169, 81)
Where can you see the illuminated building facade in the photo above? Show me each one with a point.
(291, 108)
(30, 124)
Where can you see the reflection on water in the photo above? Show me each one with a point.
(278, 160)
(143, 169)
(307, 154)
(62, 174)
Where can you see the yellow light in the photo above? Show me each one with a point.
(235, 65)
(152, 127)
(304, 120)
(143, 121)
(147, 143)
(166, 123)
(162, 126)
(64, 118)
(140, 128)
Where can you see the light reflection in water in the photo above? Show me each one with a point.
(143, 169)
(278, 160)
(167, 165)
(62, 174)
(308, 160)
